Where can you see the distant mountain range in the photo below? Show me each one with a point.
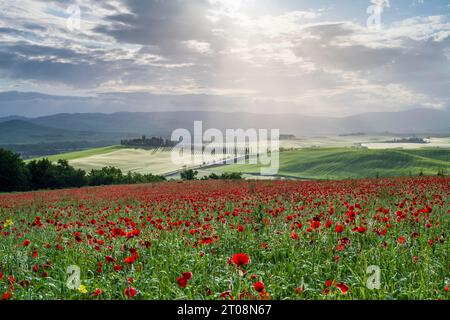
(99, 126)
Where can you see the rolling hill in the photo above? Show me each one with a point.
(26, 132)
(163, 123)
(343, 163)
(308, 163)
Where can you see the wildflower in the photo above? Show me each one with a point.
(182, 282)
(343, 287)
(82, 288)
(97, 292)
(110, 259)
(129, 260)
(8, 223)
(328, 283)
(130, 292)
(184, 278)
(259, 286)
(241, 259)
(7, 295)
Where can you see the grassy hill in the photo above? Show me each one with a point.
(342, 163)
(308, 163)
(18, 131)
(82, 154)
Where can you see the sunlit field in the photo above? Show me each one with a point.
(229, 240)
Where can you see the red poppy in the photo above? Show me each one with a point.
(339, 228)
(259, 286)
(241, 259)
(118, 268)
(401, 240)
(7, 295)
(129, 260)
(110, 259)
(130, 292)
(328, 283)
(187, 275)
(361, 229)
(184, 278)
(226, 294)
(182, 281)
(26, 243)
(96, 293)
(343, 287)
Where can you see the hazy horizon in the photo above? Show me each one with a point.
(318, 58)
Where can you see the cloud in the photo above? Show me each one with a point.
(262, 56)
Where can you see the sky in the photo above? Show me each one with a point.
(315, 57)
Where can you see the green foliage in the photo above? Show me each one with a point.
(224, 176)
(189, 174)
(14, 176)
(105, 176)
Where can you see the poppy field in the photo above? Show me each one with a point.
(230, 240)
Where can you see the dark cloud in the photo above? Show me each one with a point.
(159, 23)
(326, 48)
(22, 60)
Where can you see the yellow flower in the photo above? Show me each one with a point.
(82, 288)
(8, 223)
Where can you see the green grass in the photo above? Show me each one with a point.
(342, 163)
(82, 154)
(307, 163)
(286, 250)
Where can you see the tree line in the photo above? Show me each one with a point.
(148, 142)
(16, 175)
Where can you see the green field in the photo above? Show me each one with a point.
(81, 154)
(342, 163)
(306, 163)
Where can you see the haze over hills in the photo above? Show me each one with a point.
(163, 123)
(27, 132)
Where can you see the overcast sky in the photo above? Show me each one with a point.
(318, 57)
